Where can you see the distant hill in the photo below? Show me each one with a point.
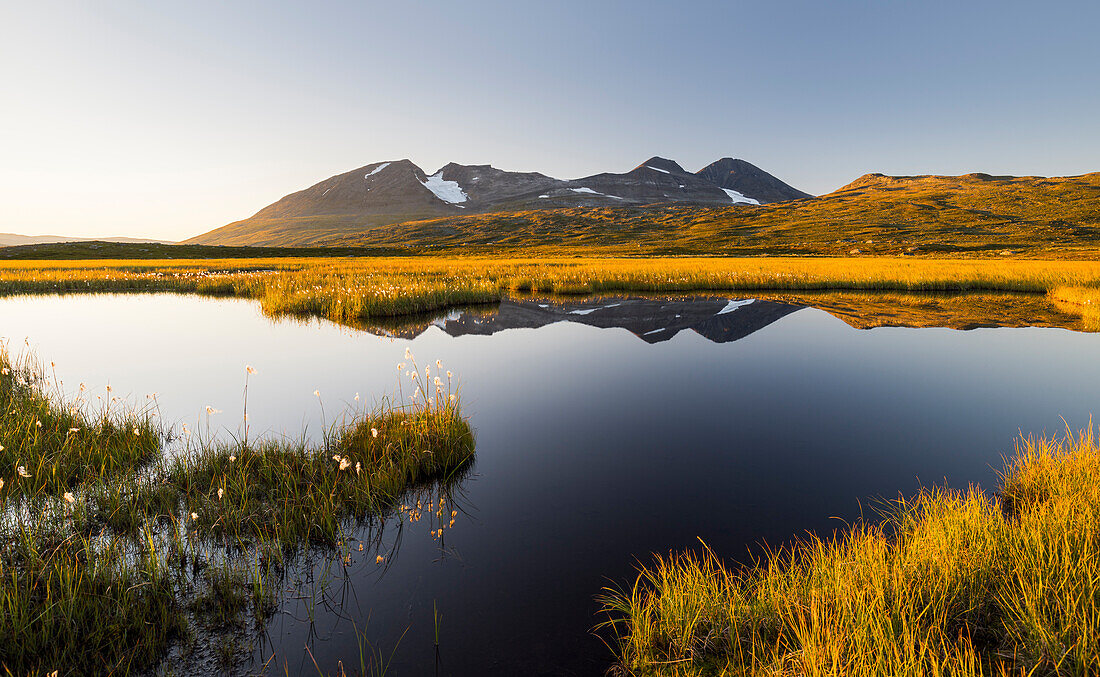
(874, 214)
(12, 239)
(384, 193)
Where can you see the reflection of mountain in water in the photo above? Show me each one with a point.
(653, 320)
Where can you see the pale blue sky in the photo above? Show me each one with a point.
(169, 119)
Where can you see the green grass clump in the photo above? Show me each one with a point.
(111, 550)
(59, 446)
(950, 583)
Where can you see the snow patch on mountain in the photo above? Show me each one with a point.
(589, 191)
(738, 198)
(448, 191)
(376, 170)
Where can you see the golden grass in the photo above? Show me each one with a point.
(951, 583)
(347, 289)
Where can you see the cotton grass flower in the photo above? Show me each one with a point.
(248, 368)
(373, 433)
(68, 496)
(379, 559)
(232, 458)
(221, 492)
(1, 483)
(22, 471)
(194, 517)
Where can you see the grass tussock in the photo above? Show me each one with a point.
(950, 583)
(111, 549)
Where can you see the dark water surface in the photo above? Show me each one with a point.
(596, 444)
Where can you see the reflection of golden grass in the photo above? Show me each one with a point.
(348, 289)
(864, 310)
(954, 583)
(1084, 301)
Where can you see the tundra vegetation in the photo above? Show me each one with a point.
(115, 546)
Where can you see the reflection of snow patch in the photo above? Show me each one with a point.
(326, 192)
(738, 198)
(448, 191)
(734, 305)
(592, 192)
(544, 305)
(663, 171)
(543, 196)
(592, 310)
(655, 330)
(441, 322)
(376, 170)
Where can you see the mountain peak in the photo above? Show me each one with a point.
(661, 164)
(748, 179)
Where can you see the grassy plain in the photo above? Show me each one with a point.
(112, 549)
(951, 583)
(351, 289)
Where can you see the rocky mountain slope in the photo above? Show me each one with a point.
(398, 191)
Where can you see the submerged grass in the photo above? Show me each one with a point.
(111, 550)
(950, 583)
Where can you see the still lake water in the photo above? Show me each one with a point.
(637, 427)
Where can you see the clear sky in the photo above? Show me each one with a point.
(168, 119)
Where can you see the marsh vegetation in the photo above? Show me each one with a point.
(196, 537)
(347, 290)
(112, 549)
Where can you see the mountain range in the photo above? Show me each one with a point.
(398, 191)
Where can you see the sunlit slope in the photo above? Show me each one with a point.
(875, 214)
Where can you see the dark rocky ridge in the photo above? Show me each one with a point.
(748, 179)
(398, 191)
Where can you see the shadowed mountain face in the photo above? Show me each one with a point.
(748, 179)
(719, 320)
(398, 191)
